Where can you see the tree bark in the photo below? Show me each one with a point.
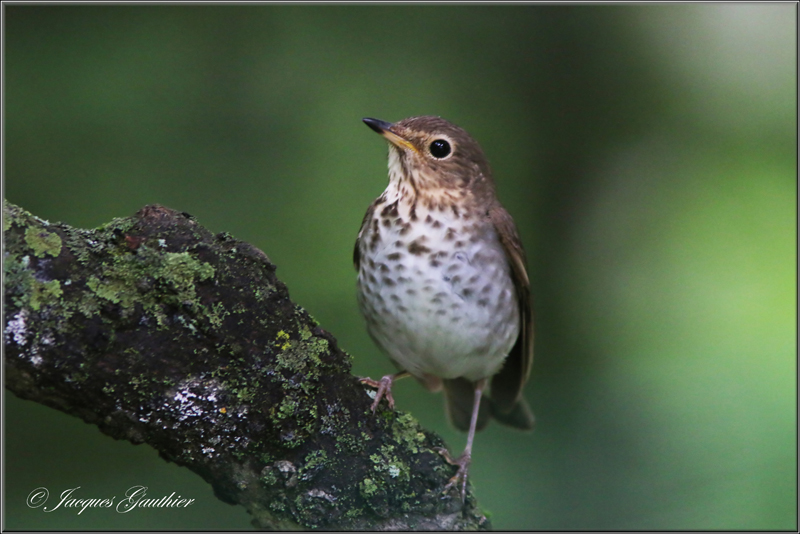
(159, 332)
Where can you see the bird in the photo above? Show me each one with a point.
(442, 281)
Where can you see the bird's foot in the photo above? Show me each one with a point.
(462, 462)
(384, 386)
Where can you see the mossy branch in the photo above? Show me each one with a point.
(159, 332)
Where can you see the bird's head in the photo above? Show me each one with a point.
(431, 154)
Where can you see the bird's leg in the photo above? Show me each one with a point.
(464, 460)
(384, 386)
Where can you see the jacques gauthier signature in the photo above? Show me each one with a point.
(135, 497)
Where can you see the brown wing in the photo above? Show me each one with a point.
(364, 222)
(508, 383)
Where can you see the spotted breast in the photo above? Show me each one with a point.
(435, 286)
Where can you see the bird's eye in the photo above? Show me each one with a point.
(440, 149)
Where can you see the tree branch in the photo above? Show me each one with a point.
(159, 332)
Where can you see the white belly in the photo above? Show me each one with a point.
(450, 311)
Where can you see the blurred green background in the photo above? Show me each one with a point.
(647, 153)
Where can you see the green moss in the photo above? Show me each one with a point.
(406, 431)
(353, 513)
(367, 488)
(387, 462)
(287, 408)
(24, 290)
(217, 314)
(302, 356)
(43, 242)
(245, 395)
(299, 376)
(14, 215)
(297, 360)
(129, 278)
(137, 381)
(349, 443)
(305, 333)
(88, 305)
(261, 294)
(43, 292)
(317, 347)
(268, 477)
(18, 280)
(315, 461)
(119, 224)
(80, 244)
(112, 291)
(180, 270)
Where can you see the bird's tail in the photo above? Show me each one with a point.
(520, 416)
(459, 398)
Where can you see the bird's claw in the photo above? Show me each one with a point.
(384, 387)
(461, 475)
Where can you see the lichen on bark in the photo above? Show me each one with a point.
(160, 332)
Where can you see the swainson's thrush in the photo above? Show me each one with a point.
(442, 280)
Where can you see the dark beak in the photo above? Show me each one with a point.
(378, 125)
(385, 129)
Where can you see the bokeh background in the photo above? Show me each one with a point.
(648, 154)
